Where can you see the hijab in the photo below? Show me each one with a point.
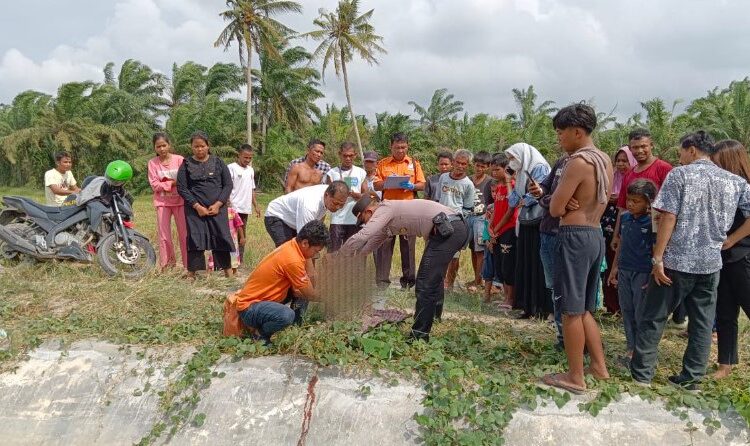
(619, 176)
(529, 158)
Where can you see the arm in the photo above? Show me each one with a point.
(379, 179)
(615, 245)
(365, 190)
(286, 174)
(469, 196)
(291, 180)
(428, 191)
(503, 221)
(667, 223)
(255, 203)
(182, 187)
(612, 279)
(370, 237)
(156, 183)
(226, 183)
(741, 232)
(59, 190)
(572, 177)
(419, 179)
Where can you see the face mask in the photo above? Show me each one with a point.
(515, 165)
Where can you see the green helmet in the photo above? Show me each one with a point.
(118, 171)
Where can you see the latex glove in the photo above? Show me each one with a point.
(407, 185)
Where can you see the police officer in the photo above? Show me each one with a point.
(444, 229)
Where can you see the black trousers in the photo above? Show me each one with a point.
(196, 260)
(278, 230)
(340, 234)
(734, 293)
(429, 282)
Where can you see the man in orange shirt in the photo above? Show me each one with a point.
(399, 163)
(260, 302)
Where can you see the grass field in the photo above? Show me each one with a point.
(473, 350)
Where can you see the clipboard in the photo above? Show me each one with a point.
(394, 181)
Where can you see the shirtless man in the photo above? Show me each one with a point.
(579, 200)
(306, 173)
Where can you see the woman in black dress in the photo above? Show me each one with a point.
(204, 183)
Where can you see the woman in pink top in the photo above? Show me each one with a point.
(162, 175)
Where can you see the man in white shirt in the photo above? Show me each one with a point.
(343, 222)
(243, 198)
(287, 214)
(59, 182)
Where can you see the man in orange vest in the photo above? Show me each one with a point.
(399, 163)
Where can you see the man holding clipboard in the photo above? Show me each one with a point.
(399, 176)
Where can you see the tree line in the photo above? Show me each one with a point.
(99, 122)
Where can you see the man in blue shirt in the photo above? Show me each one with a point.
(698, 202)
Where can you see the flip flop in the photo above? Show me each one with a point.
(553, 380)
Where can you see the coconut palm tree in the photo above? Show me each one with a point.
(344, 33)
(251, 25)
(287, 89)
(726, 113)
(441, 111)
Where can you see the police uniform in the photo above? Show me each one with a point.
(414, 218)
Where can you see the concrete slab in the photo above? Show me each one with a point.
(97, 393)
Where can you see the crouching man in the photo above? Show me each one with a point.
(261, 302)
(444, 229)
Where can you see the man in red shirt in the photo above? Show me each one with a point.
(649, 167)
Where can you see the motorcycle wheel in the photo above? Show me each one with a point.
(22, 230)
(115, 261)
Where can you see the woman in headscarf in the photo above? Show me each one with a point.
(205, 184)
(624, 161)
(531, 295)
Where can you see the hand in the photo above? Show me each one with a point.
(536, 190)
(407, 185)
(660, 277)
(491, 244)
(615, 243)
(214, 208)
(728, 243)
(201, 210)
(257, 211)
(613, 276)
(572, 205)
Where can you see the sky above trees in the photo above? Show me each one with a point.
(616, 53)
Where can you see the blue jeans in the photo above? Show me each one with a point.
(631, 289)
(547, 248)
(267, 318)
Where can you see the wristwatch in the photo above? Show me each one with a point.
(655, 261)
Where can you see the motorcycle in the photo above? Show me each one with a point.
(97, 222)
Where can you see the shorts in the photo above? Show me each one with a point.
(577, 268)
(475, 224)
(505, 256)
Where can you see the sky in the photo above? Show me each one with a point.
(615, 53)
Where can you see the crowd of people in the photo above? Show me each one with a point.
(632, 234)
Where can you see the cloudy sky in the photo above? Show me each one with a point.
(614, 52)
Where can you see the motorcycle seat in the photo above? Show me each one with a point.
(54, 213)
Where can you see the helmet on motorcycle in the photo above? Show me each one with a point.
(118, 172)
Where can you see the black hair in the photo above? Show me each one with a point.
(60, 155)
(445, 154)
(700, 140)
(399, 137)
(316, 234)
(337, 187)
(315, 142)
(200, 135)
(643, 187)
(638, 134)
(483, 157)
(160, 135)
(346, 145)
(500, 159)
(576, 115)
(245, 148)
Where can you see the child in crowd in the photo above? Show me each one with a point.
(503, 230)
(238, 237)
(488, 265)
(444, 165)
(632, 265)
(475, 223)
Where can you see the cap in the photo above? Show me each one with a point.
(371, 156)
(361, 205)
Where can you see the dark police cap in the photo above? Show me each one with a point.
(361, 205)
